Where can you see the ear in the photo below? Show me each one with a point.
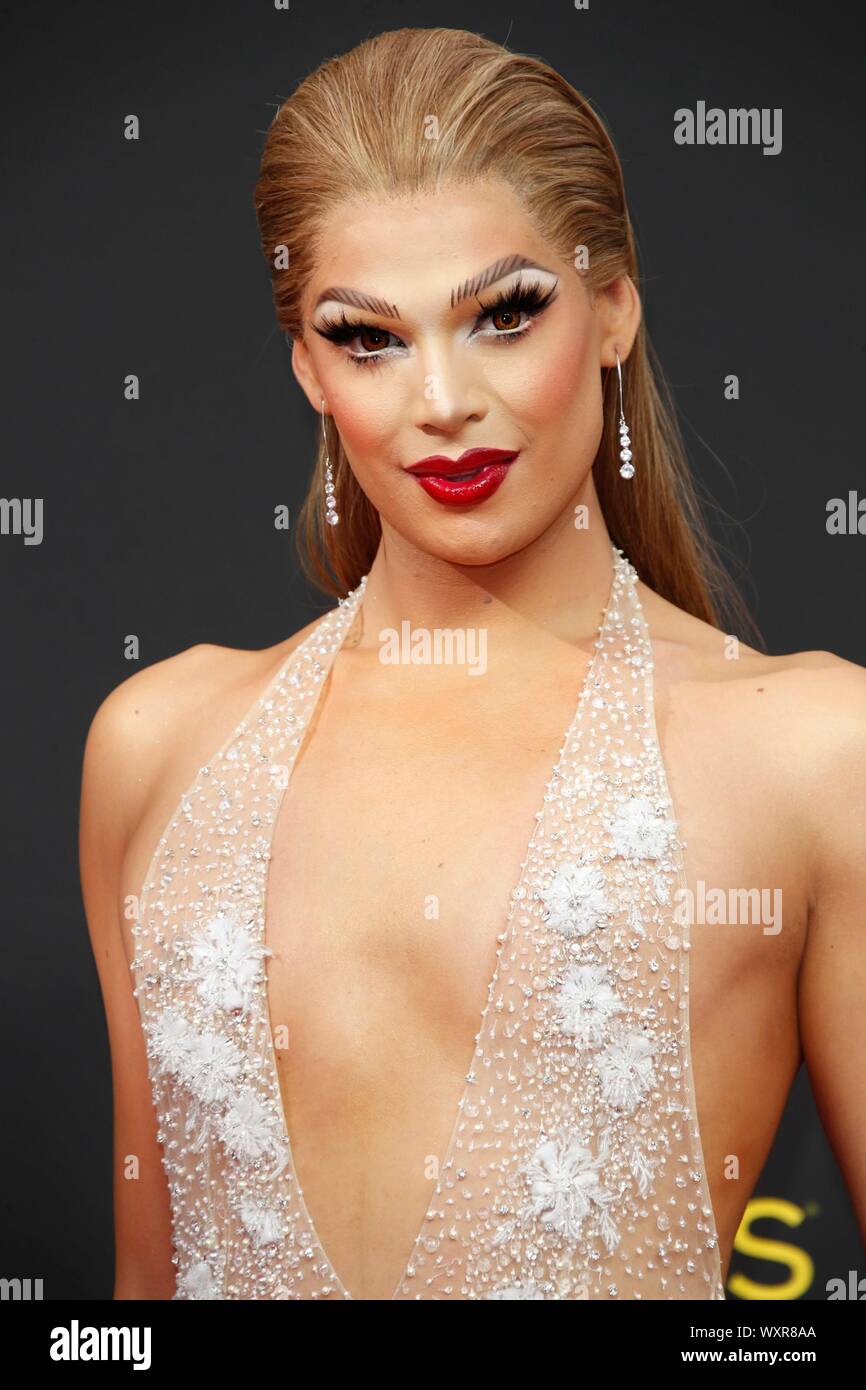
(302, 366)
(619, 309)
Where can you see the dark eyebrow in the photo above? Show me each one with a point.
(506, 265)
(497, 271)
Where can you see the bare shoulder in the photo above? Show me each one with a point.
(796, 722)
(177, 702)
(811, 686)
(148, 739)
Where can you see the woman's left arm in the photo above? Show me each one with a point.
(832, 978)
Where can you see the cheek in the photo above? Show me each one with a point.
(363, 420)
(557, 378)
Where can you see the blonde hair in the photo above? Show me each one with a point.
(356, 128)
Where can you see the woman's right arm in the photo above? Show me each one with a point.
(121, 758)
(146, 742)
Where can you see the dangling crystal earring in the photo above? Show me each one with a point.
(330, 504)
(626, 467)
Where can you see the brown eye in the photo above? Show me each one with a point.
(378, 335)
(511, 316)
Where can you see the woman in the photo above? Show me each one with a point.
(416, 1007)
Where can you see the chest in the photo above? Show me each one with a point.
(399, 841)
(395, 852)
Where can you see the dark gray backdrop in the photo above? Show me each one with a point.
(143, 257)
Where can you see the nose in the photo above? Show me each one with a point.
(448, 390)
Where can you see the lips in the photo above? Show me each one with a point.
(475, 475)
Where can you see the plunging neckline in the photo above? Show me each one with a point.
(503, 936)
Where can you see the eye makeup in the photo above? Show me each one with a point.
(530, 299)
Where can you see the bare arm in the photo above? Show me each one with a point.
(832, 984)
(145, 744)
(112, 795)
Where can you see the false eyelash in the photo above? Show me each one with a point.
(529, 298)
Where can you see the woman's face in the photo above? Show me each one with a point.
(442, 323)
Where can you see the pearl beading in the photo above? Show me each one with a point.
(575, 1167)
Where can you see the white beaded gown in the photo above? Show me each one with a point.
(575, 1168)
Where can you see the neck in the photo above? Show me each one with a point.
(559, 585)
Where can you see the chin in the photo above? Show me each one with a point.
(471, 541)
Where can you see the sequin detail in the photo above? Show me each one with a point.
(575, 1167)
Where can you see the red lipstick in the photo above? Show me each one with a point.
(476, 474)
